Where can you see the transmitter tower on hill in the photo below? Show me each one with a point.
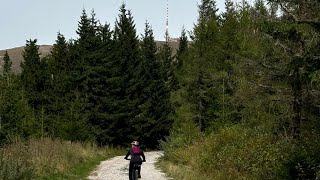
(167, 22)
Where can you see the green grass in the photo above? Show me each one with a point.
(51, 159)
(178, 171)
(80, 171)
(232, 153)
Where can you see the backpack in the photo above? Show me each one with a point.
(136, 150)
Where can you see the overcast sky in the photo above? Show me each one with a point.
(41, 19)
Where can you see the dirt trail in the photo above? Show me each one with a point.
(117, 169)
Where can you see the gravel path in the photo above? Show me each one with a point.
(117, 169)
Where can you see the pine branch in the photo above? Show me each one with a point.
(285, 9)
(277, 42)
(314, 22)
(277, 89)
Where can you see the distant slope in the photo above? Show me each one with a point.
(16, 54)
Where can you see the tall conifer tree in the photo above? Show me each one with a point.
(30, 75)
(7, 64)
(35, 80)
(59, 92)
(169, 66)
(300, 19)
(102, 85)
(207, 64)
(182, 51)
(155, 107)
(126, 79)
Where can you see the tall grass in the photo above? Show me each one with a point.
(234, 152)
(45, 158)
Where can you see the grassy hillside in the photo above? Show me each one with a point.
(15, 55)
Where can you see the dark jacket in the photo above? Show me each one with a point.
(136, 157)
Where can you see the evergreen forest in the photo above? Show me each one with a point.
(239, 97)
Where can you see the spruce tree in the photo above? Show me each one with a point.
(7, 64)
(85, 47)
(101, 88)
(17, 117)
(59, 54)
(182, 51)
(169, 66)
(127, 64)
(206, 64)
(155, 107)
(299, 20)
(30, 73)
(230, 29)
(34, 81)
(58, 66)
(59, 92)
(230, 47)
(86, 76)
(85, 31)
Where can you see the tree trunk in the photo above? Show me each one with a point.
(297, 99)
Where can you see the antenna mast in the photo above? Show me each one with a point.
(167, 22)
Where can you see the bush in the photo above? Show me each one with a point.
(304, 161)
(13, 162)
(234, 152)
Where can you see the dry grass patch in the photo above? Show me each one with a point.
(47, 157)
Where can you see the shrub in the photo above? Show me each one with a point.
(232, 153)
